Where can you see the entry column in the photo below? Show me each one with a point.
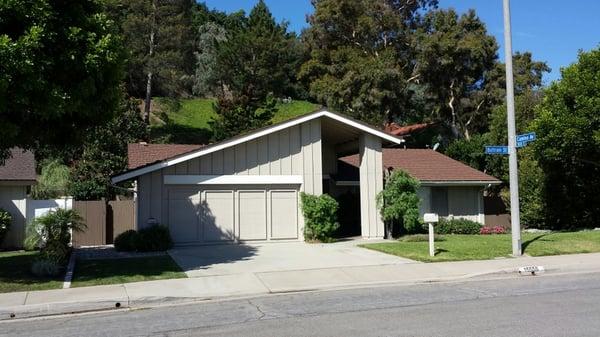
(371, 183)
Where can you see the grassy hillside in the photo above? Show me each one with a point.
(186, 120)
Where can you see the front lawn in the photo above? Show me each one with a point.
(117, 271)
(15, 273)
(483, 247)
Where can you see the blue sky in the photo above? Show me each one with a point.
(552, 30)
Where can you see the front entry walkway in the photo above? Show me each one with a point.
(199, 261)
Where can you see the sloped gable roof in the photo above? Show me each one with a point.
(19, 167)
(142, 154)
(428, 166)
(132, 173)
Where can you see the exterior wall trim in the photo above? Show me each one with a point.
(238, 140)
(460, 183)
(232, 180)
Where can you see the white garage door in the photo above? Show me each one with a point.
(221, 215)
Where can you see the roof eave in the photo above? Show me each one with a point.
(459, 182)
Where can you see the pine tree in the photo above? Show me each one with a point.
(256, 63)
(159, 38)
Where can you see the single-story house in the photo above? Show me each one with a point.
(246, 188)
(16, 176)
(448, 187)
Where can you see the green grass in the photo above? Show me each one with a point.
(117, 271)
(483, 247)
(15, 273)
(189, 118)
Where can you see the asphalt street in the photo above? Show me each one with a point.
(549, 305)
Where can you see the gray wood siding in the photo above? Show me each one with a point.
(371, 183)
(293, 151)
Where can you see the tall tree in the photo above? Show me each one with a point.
(60, 68)
(206, 78)
(568, 145)
(104, 153)
(256, 63)
(158, 34)
(454, 55)
(361, 55)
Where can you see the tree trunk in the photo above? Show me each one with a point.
(453, 125)
(389, 230)
(148, 99)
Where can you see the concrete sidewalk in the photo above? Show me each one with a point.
(152, 293)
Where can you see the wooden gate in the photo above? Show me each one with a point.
(104, 220)
(120, 217)
(94, 216)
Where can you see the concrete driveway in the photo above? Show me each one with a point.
(198, 261)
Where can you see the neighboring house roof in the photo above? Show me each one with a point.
(405, 130)
(19, 167)
(132, 173)
(426, 165)
(142, 154)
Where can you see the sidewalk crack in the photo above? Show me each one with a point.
(257, 307)
(127, 295)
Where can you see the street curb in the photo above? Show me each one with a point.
(8, 314)
(54, 309)
(69, 273)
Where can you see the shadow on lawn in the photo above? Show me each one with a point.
(15, 272)
(138, 268)
(440, 250)
(528, 242)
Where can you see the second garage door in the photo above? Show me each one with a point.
(227, 214)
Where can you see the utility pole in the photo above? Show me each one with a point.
(512, 149)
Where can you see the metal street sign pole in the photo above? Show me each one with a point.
(512, 150)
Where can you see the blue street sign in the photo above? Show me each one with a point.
(496, 149)
(526, 137)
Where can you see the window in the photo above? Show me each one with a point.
(439, 200)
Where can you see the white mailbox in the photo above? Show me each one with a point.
(431, 218)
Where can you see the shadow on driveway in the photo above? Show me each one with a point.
(192, 258)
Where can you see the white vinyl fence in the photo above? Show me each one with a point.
(38, 208)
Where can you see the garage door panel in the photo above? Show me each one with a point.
(284, 214)
(217, 220)
(252, 215)
(183, 215)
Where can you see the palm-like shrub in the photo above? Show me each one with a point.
(54, 226)
(52, 234)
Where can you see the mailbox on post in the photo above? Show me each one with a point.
(430, 219)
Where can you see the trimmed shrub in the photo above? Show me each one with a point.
(153, 239)
(320, 217)
(125, 242)
(5, 222)
(457, 226)
(492, 230)
(399, 202)
(156, 238)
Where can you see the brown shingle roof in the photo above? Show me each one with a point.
(427, 165)
(19, 167)
(405, 130)
(141, 154)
